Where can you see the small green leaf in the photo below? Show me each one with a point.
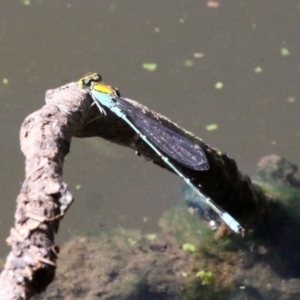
(258, 70)
(26, 2)
(189, 248)
(150, 66)
(206, 277)
(219, 85)
(188, 63)
(212, 127)
(284, 51)
(291, 99)
(132, 242)
(151, 237)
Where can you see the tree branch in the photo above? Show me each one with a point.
(44, 197)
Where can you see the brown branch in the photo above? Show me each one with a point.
(44, 197)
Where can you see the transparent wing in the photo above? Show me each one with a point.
(172, 143)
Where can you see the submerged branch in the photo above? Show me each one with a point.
(44, 197)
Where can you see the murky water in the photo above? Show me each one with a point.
(252, 48)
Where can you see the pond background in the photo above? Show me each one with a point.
(251, 47)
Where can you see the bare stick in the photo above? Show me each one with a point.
(44, 197)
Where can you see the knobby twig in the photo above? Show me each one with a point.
(44, 197)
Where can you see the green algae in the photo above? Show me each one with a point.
(189, 248)
(205, 277)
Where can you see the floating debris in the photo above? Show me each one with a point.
(189, 248)
(219, 85)
(206, 277)
(26, 2)
(258, 70)
(284, 51)
(188, 63)
(213, 4)
(198, 55)
(212, 127)
(150, 66)
(151, 237)
(291, 99)
(131, 241)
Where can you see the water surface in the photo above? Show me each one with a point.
(251, 47)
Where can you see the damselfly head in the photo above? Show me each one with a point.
(93, 81)
(89, 80)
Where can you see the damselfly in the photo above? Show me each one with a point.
(162, 140)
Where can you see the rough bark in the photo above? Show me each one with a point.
(44, 197)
